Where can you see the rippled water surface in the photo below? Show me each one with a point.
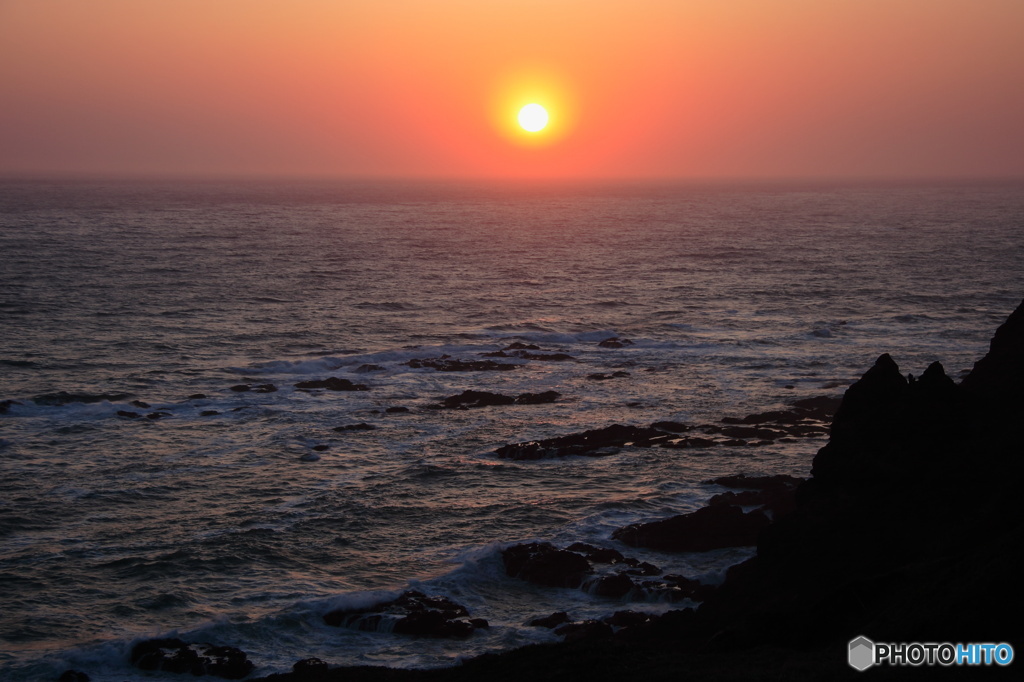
(736, 299)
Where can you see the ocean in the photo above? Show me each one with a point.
(161, 474)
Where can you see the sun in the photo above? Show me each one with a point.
(533, 118)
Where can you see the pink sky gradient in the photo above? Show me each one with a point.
(407, 88)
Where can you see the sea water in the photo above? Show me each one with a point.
(241, 518)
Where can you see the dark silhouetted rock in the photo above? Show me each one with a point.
(671, 427)
(707, 528)
(197, 396)
(241, 388)
(550, 622)
(396, 410)
(361, 426)
(177, 656)
(73, 676)
(537, 398)
(587, 630)
(590, 443)
(208, 413)
(468, 399)
(331, 384)
(5, 405)
(139, 403)
(622, 619)
(158, 415)
(412, 613)
(265, 388)
(598, 555)
(778, 482)
(999, 376)
(128, 414)
(614, 585)
(543, 564)
(445, 364)
(517, 345)
(615, 342)
(310, 667)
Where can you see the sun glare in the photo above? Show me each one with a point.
(533, 118)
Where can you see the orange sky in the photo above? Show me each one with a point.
(406, 88)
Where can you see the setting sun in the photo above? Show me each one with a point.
(533, 118)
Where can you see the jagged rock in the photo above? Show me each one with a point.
(543, 564)
(550, 622)
(999, 376)
(177, 656)
(590, 443)
(412, 613)
(707, 528)
(331, 384)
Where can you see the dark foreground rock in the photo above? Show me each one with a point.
(176, 656)
(720, 525)
(412, 613)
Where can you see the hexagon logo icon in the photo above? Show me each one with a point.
(862, 653)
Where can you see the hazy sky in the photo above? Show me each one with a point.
(635, 88)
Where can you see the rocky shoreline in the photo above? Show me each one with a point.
(908, 530)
